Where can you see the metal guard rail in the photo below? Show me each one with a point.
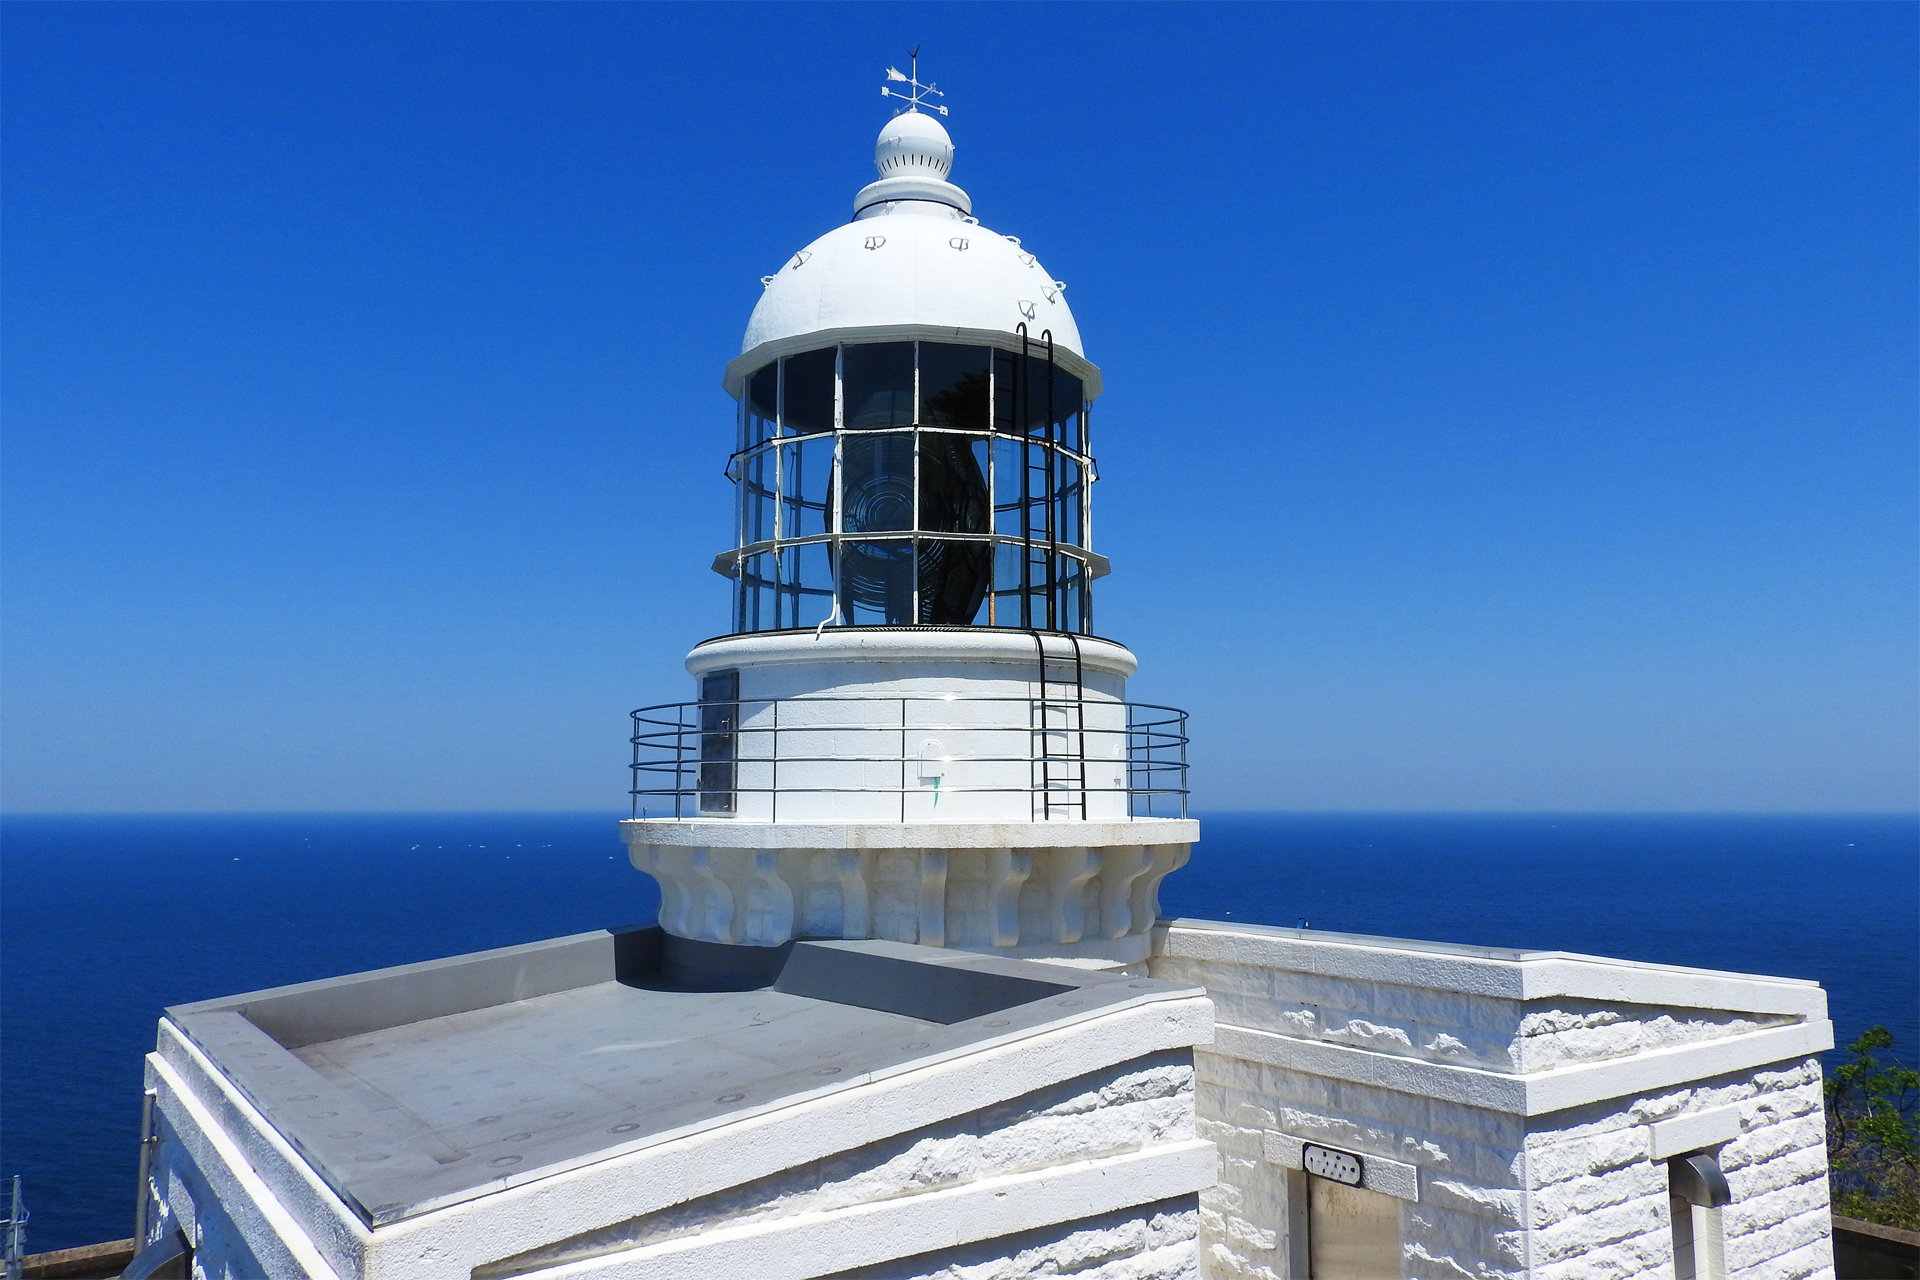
(668, 743)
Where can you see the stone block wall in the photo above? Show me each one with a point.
(1535, 1096)
(1466, 1222)
(1152, 1242)
(1132, 1107)
(1599, 1202)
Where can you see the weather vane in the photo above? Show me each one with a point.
(917, 94)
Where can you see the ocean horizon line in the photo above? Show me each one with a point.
(1226, 811)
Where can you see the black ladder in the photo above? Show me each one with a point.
(1059, 732)
(1040, 538)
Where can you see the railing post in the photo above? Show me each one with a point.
(1032, 764)
(1150, 747)
(1183, 764)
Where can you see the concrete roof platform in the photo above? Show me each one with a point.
(414, 1088)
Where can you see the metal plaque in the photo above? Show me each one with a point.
(1337, 1166)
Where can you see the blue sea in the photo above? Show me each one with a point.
(106, 920)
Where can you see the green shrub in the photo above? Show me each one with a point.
(1873, 1135)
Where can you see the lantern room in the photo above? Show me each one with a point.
(912, 446)
(913, 483)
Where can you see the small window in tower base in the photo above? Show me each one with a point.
(719, 725)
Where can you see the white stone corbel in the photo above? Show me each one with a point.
(933, 898)
(769, 915)
(711, 917)
(1068, 872)
(675, 906)
(681, 892)
(1145, 896)
(1052, 888)
(1119, 868)
(1007, 872)
(856, 916)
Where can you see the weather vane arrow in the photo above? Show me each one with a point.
(917, 94)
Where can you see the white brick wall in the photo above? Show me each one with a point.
(1504, 1191)
(1132, 1107)
(1777, 1226)
(1154, 1242)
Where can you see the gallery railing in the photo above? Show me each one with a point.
(1070, 759)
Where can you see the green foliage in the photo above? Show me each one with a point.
(1873, 1135)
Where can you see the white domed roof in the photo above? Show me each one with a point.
(911, 265)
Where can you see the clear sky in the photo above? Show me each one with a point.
(1508, 406)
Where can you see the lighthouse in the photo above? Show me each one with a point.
(910, 1009)
(912, 727)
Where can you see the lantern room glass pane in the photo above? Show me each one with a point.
(1035, 393)
(806, 401)
(876, 583)
(953, 484)
(1018, 585)
(1040, 587)
(753, 594)
(954, 386)
(806, 585)
(1031, 397)
(762, 404)
(877, 485)
(877, 385)
(806, 486)
(1009, 456)
(1073, 430)
(1069, 394)
(757, 495)
(1068, 490)
(1072, 578)
(1004, 378)
(954, 577)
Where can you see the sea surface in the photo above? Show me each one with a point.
(104, 921)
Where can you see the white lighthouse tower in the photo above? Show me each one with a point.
(912, 730)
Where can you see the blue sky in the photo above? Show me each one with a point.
(1508, 407)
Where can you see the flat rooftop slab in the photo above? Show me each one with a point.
(412, 1088)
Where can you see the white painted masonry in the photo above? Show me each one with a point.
(839, 834)
(1533, 1097)
(1154, 1242)
(1087, 1146)
(1518, 1107)
(1041, 1130)
(1027, 890)
(914, 727)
